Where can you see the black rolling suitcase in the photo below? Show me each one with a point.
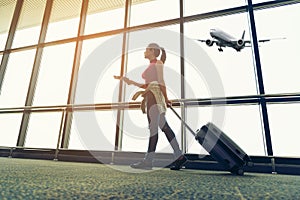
(221, 147)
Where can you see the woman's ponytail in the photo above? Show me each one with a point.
(157, 50)
(163, 56)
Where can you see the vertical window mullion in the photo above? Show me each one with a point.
(34, 74)
(10, 38)
(259, 78)
(74, 77)
(120, 114)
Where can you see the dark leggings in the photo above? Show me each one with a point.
(159, 120)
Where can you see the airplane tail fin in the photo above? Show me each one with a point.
(243, 35)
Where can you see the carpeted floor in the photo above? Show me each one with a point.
(42, 179)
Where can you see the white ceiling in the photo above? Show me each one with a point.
(32, 10)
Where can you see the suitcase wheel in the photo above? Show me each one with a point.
(239, 172)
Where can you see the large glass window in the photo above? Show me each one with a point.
(10, 125)
(279, 57)
(135, 131)
(234, 69)
(284, 127)
(75, 141)
(193, 7)
(101, 130)
(100, 61)
(153, 11)
(3, 38)
(16, 79)
(64, 20)
(43, 130)
(29, 24)
(54, 75)
(6, 13)
(246, 131)
(104, 16)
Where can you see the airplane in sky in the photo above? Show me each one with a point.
(222, 39)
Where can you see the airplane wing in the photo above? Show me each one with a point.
(248, 42)
(264, 40)
(201, 40)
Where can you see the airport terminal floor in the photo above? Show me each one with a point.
(47, 179)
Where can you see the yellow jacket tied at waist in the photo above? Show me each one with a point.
(159, 97)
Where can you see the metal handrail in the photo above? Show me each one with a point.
(233, 100)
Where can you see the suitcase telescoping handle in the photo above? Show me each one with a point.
(187, 126)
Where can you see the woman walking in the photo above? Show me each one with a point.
(155, 103)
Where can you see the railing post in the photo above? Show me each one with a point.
(61, 128)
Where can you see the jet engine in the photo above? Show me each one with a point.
(240, 42)
(209, 43)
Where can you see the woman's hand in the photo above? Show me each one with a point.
(168, 102)
(125, 79)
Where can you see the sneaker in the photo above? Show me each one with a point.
(142, 165)
(177, 164)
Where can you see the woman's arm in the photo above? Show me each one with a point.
(131, 82)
